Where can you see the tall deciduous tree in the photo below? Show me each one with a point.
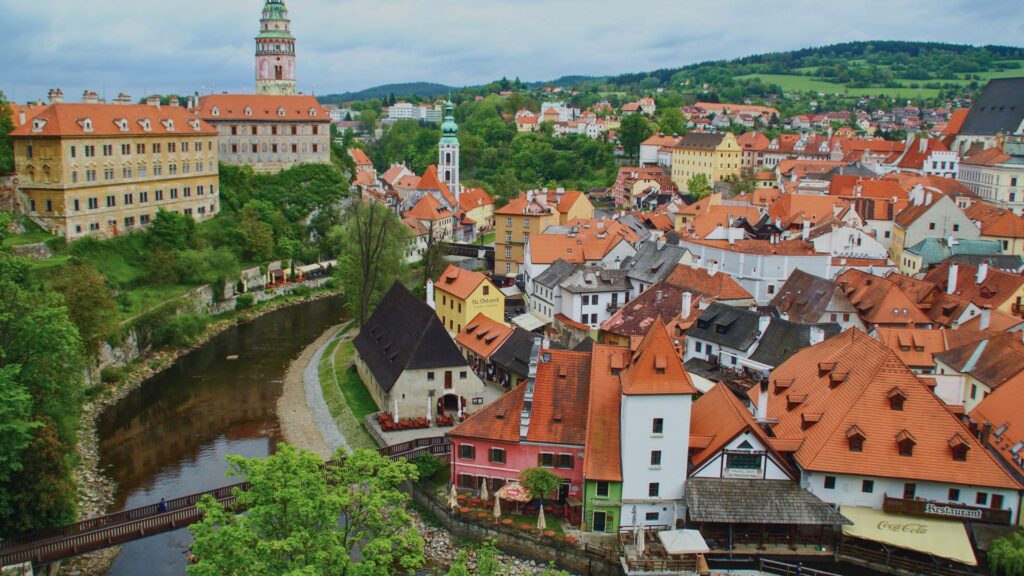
(1006, 556)
(697, 186)
(634, 130)
(302, 519)
(89, 303)
(433, 258)
(539, 482)
(373, 244)
(6, 125)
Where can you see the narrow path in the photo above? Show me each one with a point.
(295, 412)
(322, 418)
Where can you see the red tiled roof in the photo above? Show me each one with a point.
(994, 291)
(878, 300)
(655, 367)
(995, 361)
(916, 347)
(786, 247)
(262, 107)
(987, 157)
(844, 385)
(430, 181)
(720, 215)
(483, 336)
(661, 300)
(69, 120)
(359, 157)
(701, 282)
(603, 457)
(460, 282)
(471, 198)
(1002, 410)
(428, 208)
(996, 222)
(794, 209)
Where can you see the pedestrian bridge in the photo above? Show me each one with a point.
(62, 542)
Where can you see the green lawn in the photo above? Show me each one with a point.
(807, 84)
(346, 397)
(487, 239)
(141, 299)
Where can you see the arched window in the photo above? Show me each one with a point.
(215, 111)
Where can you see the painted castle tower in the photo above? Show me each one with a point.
(275, 51)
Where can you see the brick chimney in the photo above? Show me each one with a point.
(55, 96)
(153, 101)
(90, 97)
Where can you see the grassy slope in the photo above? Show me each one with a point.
(346, 397)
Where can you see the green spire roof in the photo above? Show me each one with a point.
(449, 128)
(275, 10)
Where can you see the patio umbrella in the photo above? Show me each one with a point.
(640, 543)
(452, 501)
(541, 524)
(483, 491)
(497, 507)
(513, 491)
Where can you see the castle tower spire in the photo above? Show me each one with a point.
(275, 51)
(448, 151)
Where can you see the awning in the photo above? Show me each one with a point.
(530, 321)
(683, 542)
(942, 538)
(512, 291)
(756, 501)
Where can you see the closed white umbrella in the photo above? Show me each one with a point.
(640, 543)
(483, 491)
(452, 501)
(541, 523)
(497, 507)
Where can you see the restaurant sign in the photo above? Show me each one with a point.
(947, 511)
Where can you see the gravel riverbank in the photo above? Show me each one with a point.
(301, 410)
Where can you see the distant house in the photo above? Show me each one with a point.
(809, 299)
(653, 263)
(410, 364)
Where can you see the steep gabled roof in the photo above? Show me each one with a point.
(842, 387)
(428, 208)
(728, 326)
(460, 282)
(999, 108)
(701, 282)
(917, 347)
(783, 338)
(403, 333)
(655, 367)
(993, 361)
(879, 300)
(653, 262)
(993, 291)
(483, 336)
(603, 457)
(805, 297)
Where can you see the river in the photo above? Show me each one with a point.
(169, 437)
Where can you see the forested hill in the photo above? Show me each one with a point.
(405, 90)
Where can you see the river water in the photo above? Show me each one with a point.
(169, 437)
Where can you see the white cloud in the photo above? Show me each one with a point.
(144, 46)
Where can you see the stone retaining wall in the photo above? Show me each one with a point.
(564, 555)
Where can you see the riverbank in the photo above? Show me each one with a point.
(95, 490)
(299, 426)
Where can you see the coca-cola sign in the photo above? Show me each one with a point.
(905, 527)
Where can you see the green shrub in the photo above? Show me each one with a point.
(427, 464)
(179, 330)
(112, 374)
(244, 301)
(302, 291)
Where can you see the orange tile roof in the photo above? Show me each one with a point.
(1002, 410)
(998, 322)
(997, 288)
(363, 179)
(262, 107)
(987, 157)
(720, 417)
(391, 174)
(878, 300)
(794, 209)
(947, 186)
(720, 215)
(569, 199)
(753, 141)
(996, 222)
(428, 208)
(786, 247)
(841, 387)
(483, 336)
(655, 367)
(916, 347)
(519, 206)
(914, 158)
(68, 120)
(661, 300)
(956, 121)
(499, 420)
(471, 198)
(29, 110)
(546, 248)
(460, 282)
(701, 282)
(359, 157)
(430, 181)
(996, 361)
(603, 457)
(571, 323)
(801, 168)
(662, 140)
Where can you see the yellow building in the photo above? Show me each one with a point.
(95, 169)
(571, 205)
(529, 213)
(460, 295)
(714, 155)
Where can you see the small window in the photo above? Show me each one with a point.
(954, 495)
(830, 482)
(487, 290)
(546, 460)
(651, 516)
(981, 499)
(909, 490)
(655, 457)
(658, 426)
(867, 486)
(565, 461)
(856, 443)
(467, 452)
(462, 374)
(997, 502)
(653, 489)
(430, 376)
(602, 489)
(496, 455)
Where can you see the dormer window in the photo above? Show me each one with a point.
(837, 378)
(146, 125)
(783, 385)
(122, 125)
(312, 112)
(248, 111)
(168, 124)
(87, 125)
(905, 441)
(794, 400)
(825, 368)
(808, 419)
(38, 125)
(855, 438)
(280, 112)
(215, 111)
(959, 447)
(194, 124)
(896, 399)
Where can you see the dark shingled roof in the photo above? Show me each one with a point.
(805, 297)
(558, 271)
(999, 108)
(403, 333)
(634, 224)
(1008, 262)
(727, 326)
(706, 140)
(756, 501)
(514, 355)
(651, 265)
(783, 338)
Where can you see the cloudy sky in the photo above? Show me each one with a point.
(165, 46)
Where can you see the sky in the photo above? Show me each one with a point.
(183, 46)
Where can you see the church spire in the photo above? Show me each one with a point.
(448, 150)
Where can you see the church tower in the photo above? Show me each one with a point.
(275, 51)
(448, 151)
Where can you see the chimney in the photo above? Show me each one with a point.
(951, 279)
(687, 305)
(985, 319)
(817, 335)
(982, 272)
(922, 145)
(702, 305)
(172, 101)
(659, 244)
(762, 402)
(89, 97)
(713, 269)
(928, 199)
(778, 222)
(153, 101)
(52, 96)
(430, 293)
(123, 99)
(21, 117)
(762, 323)
(806, 232)
(986, 432)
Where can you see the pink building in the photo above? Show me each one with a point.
(540, 423)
